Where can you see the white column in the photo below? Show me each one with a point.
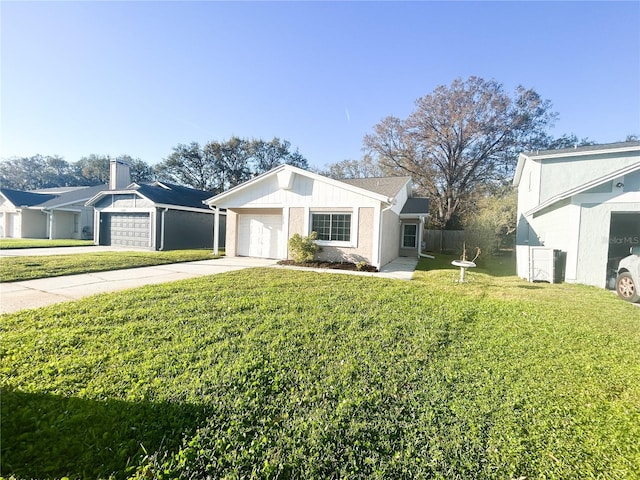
(216, 231)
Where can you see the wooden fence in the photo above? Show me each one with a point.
(444, 241)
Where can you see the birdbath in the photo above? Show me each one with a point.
(463, 264)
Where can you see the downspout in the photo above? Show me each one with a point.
(420, 254)
(162, 229)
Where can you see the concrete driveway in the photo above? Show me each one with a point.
(40, 292)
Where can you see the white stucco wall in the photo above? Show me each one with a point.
(562, 174)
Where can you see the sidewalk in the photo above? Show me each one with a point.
(41, 292)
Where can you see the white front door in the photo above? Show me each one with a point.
(260, 236)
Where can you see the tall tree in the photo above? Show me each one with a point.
(218, 166)
(230, 162)
(268, 155)
(93, 169)
(188, 165)
(364, 168)
(460, 137)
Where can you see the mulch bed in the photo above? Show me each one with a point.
(331, 265)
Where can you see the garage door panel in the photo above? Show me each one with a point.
(128, 229)
(260, 235)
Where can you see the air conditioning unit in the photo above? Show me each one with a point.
(546, 265)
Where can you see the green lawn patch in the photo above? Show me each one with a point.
(240, 375)
(8, 243)
(26, 268)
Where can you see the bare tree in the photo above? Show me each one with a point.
(459, 138)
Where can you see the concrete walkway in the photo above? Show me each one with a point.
(41, 292)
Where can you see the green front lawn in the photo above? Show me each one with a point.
(7, 243)
(26, 268)
(241, 375)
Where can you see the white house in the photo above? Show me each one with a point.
(580, 206)
(373, 220)
(48, 213)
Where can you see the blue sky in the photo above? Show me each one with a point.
(138, 78)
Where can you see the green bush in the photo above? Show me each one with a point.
(304, 249)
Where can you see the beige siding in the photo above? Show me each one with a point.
(364, 249)
(390, 237)
(296, 224)
(231, 245)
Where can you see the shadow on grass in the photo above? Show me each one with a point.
(49, 436)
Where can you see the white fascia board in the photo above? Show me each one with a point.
(187, 209)
(583, 153)
(104, 193)
(582, 188)
(314, 176)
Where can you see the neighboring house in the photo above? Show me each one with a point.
(373, 220)
(49, 213)
(55, 212)
(154, 216)
(580, 206)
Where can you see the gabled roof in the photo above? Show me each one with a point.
(619, 147)
(382, 197)
(387, 186)
(162, 194)
(171, 194)
(584, 187)
(415, 206)
(20, 198)
(42, 200)
(73, 196)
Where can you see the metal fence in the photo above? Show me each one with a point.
(444, 241)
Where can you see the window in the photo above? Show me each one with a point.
(332, 227)
(409, 236)
(76, 222)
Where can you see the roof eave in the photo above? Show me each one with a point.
(582, 188)
(238, 188)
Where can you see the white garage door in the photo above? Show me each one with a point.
(260, 235)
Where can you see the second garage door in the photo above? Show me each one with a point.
(260, 235)
(125, 229)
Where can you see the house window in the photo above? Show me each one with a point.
(76, 222)
(332, 227)
(409, 235)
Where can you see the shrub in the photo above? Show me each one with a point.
(302, 248)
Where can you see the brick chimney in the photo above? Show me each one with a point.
(119, 174)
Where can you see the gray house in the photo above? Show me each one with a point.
(154, 216)
(578, 212)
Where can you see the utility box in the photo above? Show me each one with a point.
(545, 265)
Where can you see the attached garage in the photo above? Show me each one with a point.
(125, 229)
(155, 216)
(260, 236)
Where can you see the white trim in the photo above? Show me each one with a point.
(285, 233)
(415, 245)
(314, 176)
(353, 229)
(582, 188)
